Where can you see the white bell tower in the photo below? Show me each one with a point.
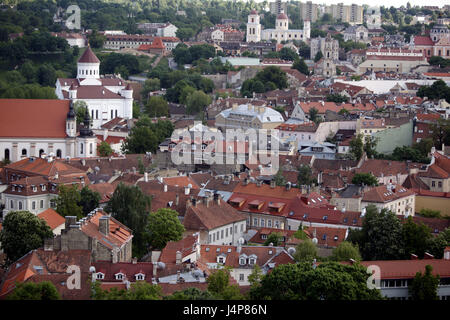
(253, 27)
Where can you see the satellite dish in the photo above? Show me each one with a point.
(161, 265)
(92, 269)
(189, 185)
(315, 241)
(291, 250)
(241, 240)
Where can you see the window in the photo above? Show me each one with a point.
(58, 153)
(255, 222)
(433, 183)
(277, 224)
(241, 277)
(214, 237)
(221, 260)
(269, 223)
(43, 187)
(439, 184)
(41, 204)
(11, 205)
(209, 238)
(242, 261)
(242, 227)
(112, 114)
(263, 223)
(140, 277)
(20, 205)
(6, 154)
(226, 233)
(100, 276)
(24, 152)
(96, 114)
(81, 148)
(221, 234)
(91, 149)
(33, 205)
(119, 276)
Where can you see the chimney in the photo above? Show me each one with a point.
(145, 176)
(272, 184)
(447, 253)
(428, 256)
(288, 185)
(165, 188)
(103, 225)
(217, 198)
(187, 190)
(70, 220)
(177, 199)
(194, 202)
(414, 256)
(178, 257)
(155, 267)
(134, 261)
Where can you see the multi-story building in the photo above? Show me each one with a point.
(437, 43)
(392, 60)
(158, 29)
(352, 14)
(134, 41)
(328, 46)
(373, 18)
(277, 6)
(247, 116)
(309, 11)
(393, 197)
(357, 34)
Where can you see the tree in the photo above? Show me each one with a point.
(301, 66)
(157, 107)
(305, 251)
(164, 226)
(416, 238)
(219, 284)
(255, 277)
(80, 110)
(441, 132)
(44, 290)
(346, 251)
(67, 203)
(318, 56)
(89, 200)
(356, 147)
(130, 205)
(424, 286)
(96, 40)
(436, 245)
(140, 290)
(197, 101)
(313, 114)
(370, 145)
(150, 85)
(288, 54)
(191, 294)
(273, 75)
(279, 178)
(140, 140)
(104, 149)
(438, 90)
(305, 177)
(381, 236)
(327, 281)
(274, 238)
(22, 232)
(336, 97)
(366, 179)
(46, 75)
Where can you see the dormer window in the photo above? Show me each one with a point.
(243, 260)
(34, 188)
(119, 276)
(252, 260)
(140, 277)
(100, 276)
(43, 187)
(221, 259)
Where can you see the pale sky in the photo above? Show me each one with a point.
(386, 3)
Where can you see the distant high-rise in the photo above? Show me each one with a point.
(308, 11)
(277, 6)
(352, 14)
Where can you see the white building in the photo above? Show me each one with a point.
(34, 127)
(73, 39)
(255, 33)
(106, 98)
(158, 29)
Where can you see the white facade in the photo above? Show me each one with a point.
(253, 27)
(34, 204)
(228, 234)
(403, 206)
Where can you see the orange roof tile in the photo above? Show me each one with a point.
(52, 218)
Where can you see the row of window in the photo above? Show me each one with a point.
(439, 184)
(220, 235)
(262, 223)
(24, 152)
(20, 205)
(120, 276)
(91, 148)
(87, 72)
(95, 112)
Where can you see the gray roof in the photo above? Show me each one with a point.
(243, 110)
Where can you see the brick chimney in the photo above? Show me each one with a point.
(272, 184)
(177, 199)
(70, 220)
(217, 198)
(103, 225)
(178, 257)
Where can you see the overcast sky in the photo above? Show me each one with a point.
(386, 3)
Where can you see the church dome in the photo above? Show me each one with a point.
(282, 15)
(253, 12)
(89, 56)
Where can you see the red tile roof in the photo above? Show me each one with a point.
(186, 246)
(428, 116)
(327, 236)
(128, 269)
(180, 181)
(52, 218)
(422, 41)
(33, 118)
(266, 191)
(105, 190)
(381, 194)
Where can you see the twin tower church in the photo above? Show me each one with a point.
(281, 32)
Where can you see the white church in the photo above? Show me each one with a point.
(106, 97)
(255, 33)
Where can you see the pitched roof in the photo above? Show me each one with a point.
(422, 41)
(88, 56)
(186, 246)
(203, 217)
(383, 194)
(39, 166)
(266, 191)
(33, 118)
(105, 190)
(52, 218)
(180, 181)
(128, 269)
(327, 236)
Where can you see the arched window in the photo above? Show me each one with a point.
(58, 153)
(24, 152)
(20, 205)
(81, 148)
(11, 205)
(41, 151)
(6, 154)
(96, 114)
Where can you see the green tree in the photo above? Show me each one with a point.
(370, 144)
(273, 75)
(89, 200)
(44, 290)
(219, 284)
(381, 236)
(191, 294)
(346, 251)
(150, 85)
(255, 277)
(313, 114)
(140, 140)
(104, 149)
(130, 206)
(164, 226)
(318, 56)
(46, 75)
(279, 178)
(357, 147)
(157, 107)
(140, 290)
(438, 90)
(305, 251)
(424, 286)
(274, 238)
(364, 178)
(336, 97)
(96, 40)
(327, 281)
(305, 176)
(301, 66)
(441, 132)
(416, 238)
(67, 203)
(436, 245)
(22, 232)
(80, 110)
(197, 101)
